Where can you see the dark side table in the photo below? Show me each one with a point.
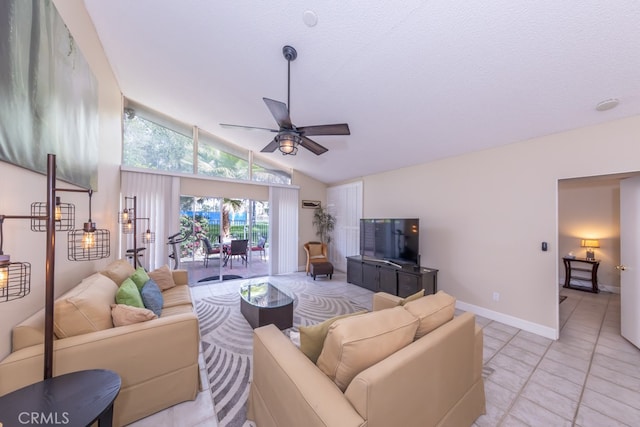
(74, 399)
(581, 266)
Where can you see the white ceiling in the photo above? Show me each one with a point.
(415, 80)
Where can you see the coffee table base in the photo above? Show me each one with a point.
(257, 316)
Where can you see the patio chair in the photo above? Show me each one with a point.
(260, 247)
(208, 250)
(237, 248)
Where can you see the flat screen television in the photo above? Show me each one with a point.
(391, 239)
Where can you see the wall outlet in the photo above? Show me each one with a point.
(496, 296)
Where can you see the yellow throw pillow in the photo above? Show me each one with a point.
(355, 343)
(163, 277)
(432, 310)
(123, 314)
(413, 297)
(312, 337)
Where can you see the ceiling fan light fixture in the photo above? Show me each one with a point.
(288, 143)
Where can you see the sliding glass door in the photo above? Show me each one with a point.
(225, 238)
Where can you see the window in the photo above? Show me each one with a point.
(149, 145)
(265, 171)
(215, 158)
(154, 141)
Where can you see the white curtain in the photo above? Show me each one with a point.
(157, 198)
(283, 225)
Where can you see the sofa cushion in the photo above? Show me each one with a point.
(178, 295)
(432, 310)
(312, 337)
(355, 343)
(129, 294)
(152, 297)
(118, 271)
(176, 309)
(139, 277)
(163, 277)
(413, 297)
(123, 314)
(85, 308)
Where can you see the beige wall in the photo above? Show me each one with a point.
(27, 187)
(310, 189)
(484, 215)
(590, 209)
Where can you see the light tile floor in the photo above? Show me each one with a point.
(589, 377)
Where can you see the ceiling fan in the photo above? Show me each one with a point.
(289, 136)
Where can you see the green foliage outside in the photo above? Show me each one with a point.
(149, 145)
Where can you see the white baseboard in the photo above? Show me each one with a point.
(607, 288)
(516, 322)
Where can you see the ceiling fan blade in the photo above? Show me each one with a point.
(280, 112)
(336, 129)
(312, 146)
(271, 147)
(226, 125)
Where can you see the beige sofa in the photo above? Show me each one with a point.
(156, 359)
(435, 380)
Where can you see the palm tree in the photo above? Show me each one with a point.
(229, 206)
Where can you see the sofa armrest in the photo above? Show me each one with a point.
(136, 352)
(289, 390)
(382, 300)
(419, 384)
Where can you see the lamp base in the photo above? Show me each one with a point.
(591, 256)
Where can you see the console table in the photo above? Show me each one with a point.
(75, 399)
(379, 276)
(576, 267)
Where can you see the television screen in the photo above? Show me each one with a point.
(391, 239)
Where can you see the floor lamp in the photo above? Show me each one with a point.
(15, 277)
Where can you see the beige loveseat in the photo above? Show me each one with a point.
(156, 359)
(435, 380)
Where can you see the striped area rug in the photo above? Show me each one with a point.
(227, 341)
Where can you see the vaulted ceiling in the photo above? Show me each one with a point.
(415, 80)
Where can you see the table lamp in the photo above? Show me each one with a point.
(590, 244)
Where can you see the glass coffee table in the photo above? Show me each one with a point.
(261, 303)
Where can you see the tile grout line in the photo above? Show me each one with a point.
(593, 353)
(524, 385)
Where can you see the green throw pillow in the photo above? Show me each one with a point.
(312, 337)
(413, 297)
(140, 277)
(129, 294)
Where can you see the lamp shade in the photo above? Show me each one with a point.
(88, 244)
(590, 243)
(65, 216)
(15, 279)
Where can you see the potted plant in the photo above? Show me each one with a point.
(324, 223)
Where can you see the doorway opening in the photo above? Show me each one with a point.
(591, 209)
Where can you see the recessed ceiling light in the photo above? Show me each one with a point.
(310, 18)
(607, 104)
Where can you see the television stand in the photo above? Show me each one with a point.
(380, 275)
